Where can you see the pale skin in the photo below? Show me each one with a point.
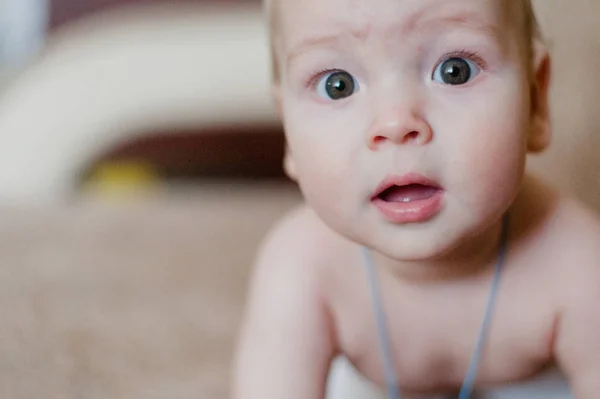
(309, 299)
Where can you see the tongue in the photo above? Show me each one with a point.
(409, 193)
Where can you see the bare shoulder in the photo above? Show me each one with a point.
(286, 316)
(300, 240)
(559, 238)
(292, 262)
(561, 230)
(573, 248)
(576, 236)
(575, 232)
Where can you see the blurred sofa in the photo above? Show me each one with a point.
(123, 73)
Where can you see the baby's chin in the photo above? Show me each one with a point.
(415, 249)
(461, 245)
(446, 237)
(427, 242)
(413, 245)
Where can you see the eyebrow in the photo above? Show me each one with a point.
(469, 21)
(322, 41)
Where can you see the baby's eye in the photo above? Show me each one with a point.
(337, 85)
(455, 71)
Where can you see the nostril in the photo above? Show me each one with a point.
(412, 136)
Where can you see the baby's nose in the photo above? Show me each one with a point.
(402, 128)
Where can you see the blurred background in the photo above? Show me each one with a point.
(143, 93)
(156, 64)
(164, 109)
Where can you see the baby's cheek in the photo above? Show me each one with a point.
(325, 174)
(493, 163)
(322, 142)
(325, 185)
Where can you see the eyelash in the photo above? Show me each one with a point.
(313, 79)
(471, 55)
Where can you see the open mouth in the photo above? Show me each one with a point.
(408, 199)
(407, 193)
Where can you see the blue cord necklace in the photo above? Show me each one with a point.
(391, 376)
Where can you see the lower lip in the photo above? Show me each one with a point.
(410, 212)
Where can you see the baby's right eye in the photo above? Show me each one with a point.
(455, 71)
(336, 85)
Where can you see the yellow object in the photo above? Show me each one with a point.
(122, 177)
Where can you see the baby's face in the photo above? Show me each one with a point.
(407, 120)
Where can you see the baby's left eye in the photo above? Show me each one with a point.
(455, 71)
(337, 85)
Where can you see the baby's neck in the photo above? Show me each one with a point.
(475, 258)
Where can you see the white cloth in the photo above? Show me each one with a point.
(345, 382)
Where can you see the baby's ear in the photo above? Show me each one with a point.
(289, 166)
(540, 134)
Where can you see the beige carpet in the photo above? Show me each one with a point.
(139, 300)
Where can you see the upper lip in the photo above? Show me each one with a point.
(404, 180)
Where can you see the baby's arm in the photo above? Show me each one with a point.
(578, 337)
(285, 346)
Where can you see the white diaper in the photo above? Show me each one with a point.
(346, 383)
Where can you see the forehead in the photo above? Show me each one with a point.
(313, 18)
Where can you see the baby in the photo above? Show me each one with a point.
(425, 255)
